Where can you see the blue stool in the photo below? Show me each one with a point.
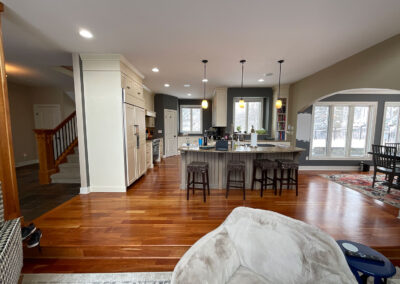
(379, 270)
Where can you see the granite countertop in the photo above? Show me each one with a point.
(244, 149)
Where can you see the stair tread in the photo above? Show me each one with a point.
(69, 165)
(66, 175)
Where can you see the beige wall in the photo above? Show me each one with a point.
(375, 67)
(22, 98)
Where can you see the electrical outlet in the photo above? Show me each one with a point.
(306, 157)
(160, 131)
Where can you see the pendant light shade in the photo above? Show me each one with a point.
(241, 101)
(204, 102)
(278, 103)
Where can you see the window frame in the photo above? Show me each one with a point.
(191, 119)
(369, 136)
(390, 104)
(246, 100)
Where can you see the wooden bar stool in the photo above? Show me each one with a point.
(289, 166)
(198, 168)
(264, 165)
(240, 167)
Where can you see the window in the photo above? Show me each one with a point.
(191, 119)
(250, 115)
(342, 130)
(390, 129)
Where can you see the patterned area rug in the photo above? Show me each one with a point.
(99, 278)
(362, 183)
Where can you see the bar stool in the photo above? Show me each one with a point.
(264, 165)
(240, 167)
(195, 168)
(289, 166)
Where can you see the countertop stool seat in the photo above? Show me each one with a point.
(196, 168)
(289, 166)
(265, 165)
(239, 167)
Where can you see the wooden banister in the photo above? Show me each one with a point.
(54, 145)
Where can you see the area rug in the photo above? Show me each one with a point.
(362, 183)
(99, 278)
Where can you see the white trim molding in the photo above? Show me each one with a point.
(107, 189)
(84, 190)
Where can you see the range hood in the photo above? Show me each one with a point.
(150, 113)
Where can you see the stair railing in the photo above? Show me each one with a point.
(54, 145)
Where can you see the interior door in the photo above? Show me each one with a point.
(170, 132)
(130, 141)
(141, 122)
(46, 116)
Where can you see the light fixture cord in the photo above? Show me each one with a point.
(280, 71)
(242, 74)
(204, 83)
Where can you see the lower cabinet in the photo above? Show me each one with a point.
(149, 154)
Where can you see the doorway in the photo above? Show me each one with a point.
(170, 132)
(47, 116)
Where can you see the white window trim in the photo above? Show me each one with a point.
(201, 119)
(246, 100)
(370, 133)
(390, 104)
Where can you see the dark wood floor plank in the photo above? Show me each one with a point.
(152, 225)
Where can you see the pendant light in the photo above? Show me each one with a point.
(278, 103)
(241, 101)
(204, 102)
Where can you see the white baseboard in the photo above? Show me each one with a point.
(84, 190)
(107, 189)
(26, 163)
(329, 168)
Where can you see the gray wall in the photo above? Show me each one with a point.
(207, 113)
(266, 93)
(161, 102)
(381, 99)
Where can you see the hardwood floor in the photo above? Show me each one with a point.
(151, 226)
(36, 199)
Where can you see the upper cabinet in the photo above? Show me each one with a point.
(133, 86)
(219, 107)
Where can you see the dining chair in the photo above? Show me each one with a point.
(384, 158)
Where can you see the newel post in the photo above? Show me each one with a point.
(47, 167)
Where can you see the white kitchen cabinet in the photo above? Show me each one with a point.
(149, 154)
(219, 107)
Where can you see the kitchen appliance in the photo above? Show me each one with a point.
(135, 140)
(156, 150)
(221, 145)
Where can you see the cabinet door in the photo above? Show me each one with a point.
(130, 141)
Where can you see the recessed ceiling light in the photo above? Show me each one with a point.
(268, 74)
(261, 80)
(186, 85)
(189, 94)
(85, 33)
(155, 70)
(205, 80)
(166, 85)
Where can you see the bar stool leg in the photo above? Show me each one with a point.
(254, 177)
(193, 181)
(297, 181)
(227, 184)
(208, 182)
(244, 185)
(288, 178)
(274, 182)
(280, 183)
(188, 185)
(262, 182)
(203, 177)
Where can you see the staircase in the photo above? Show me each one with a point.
(68, 171)
(58, 153)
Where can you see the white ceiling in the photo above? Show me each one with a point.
(175, 35)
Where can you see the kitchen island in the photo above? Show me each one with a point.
(217, 161)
